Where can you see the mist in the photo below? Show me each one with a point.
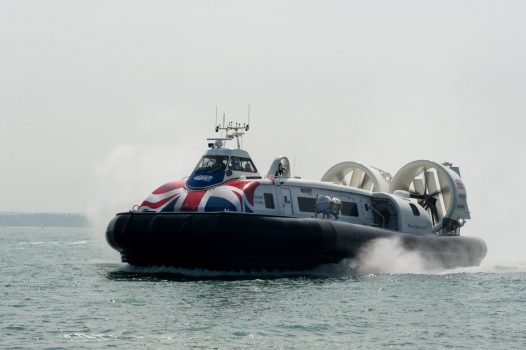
(102, 102)
(128, 175)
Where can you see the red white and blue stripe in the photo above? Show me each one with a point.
(235, 195)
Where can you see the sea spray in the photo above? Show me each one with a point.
(128, 174)
(388, 255)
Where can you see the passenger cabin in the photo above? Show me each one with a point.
(299, 198)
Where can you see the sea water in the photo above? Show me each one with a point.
(62, 288)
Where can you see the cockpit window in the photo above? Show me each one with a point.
(241, 164)
(212, 163)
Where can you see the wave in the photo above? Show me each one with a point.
(344, 269)
(90, 336)
(56, 242)
(177, 273)
(491, 268)
(80, 242)
(37, 242)
(347, 268)
(382, 257)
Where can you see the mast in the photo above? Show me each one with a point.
(232, 130)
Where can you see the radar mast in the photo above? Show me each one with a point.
(232, 130)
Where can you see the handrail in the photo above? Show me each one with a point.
(377, 212)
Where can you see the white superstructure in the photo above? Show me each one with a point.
(423, 197)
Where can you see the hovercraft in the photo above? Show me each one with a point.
(226, 216)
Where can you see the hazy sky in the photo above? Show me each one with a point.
(102, 101)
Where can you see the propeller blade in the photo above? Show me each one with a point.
(418, 184)
(425, 181)
(367, 183)
(357, 178)
(340, 177)
(417, 195)
(441, 204)
(434, 214)
(433, 184)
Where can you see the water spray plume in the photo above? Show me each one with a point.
(128, 174)
(389, 256)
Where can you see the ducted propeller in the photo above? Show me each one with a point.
(354, 174)
(426, 189)
(438, 189)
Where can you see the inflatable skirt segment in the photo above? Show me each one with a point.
(237, 241)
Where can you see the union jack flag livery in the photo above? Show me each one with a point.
(234, 195)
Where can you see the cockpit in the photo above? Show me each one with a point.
(242, 164)
(213, 168)
(221, 163)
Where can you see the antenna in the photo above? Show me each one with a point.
(216, 121)
(232, 130)
(248, 123)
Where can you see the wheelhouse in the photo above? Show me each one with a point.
(219, 165)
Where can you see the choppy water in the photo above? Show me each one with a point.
(63, 289)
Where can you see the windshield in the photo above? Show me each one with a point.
(212, 163)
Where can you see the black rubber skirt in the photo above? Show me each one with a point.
(237, 241)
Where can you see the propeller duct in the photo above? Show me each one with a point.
(439, 189)
(354, 174)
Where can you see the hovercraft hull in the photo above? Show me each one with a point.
(236, 241)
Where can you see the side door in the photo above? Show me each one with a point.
(367, 210)
(285, 201)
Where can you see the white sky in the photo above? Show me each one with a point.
(102, 101)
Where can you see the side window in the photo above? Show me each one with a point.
(241, 164)
(235, 164)
(247, 165)
(349, 209)
(415, 210)
(269, 201)
(307, 204)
